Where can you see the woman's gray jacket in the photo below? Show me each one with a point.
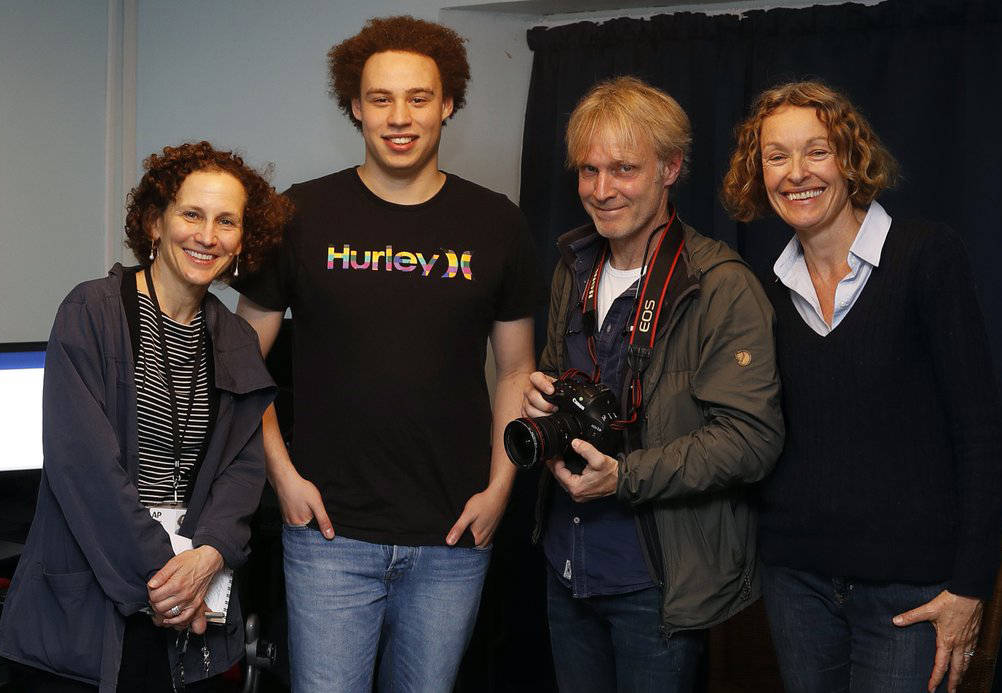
(93, 545)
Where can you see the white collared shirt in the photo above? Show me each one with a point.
(864, 255)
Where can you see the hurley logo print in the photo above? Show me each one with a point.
(453, 264)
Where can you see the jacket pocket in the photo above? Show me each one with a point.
(704, 561)
(68, 583)
(719, 531)
(69, 621)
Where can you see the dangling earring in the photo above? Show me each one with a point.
(236, 266)
(153, 249)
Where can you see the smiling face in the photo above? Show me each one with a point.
(401, 109)
(200, 230)
(800, 171)
(625, 193)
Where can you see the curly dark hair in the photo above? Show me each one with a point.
(862, 159)
(265, 213)
(443, 45)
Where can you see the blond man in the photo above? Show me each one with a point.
(651, 544)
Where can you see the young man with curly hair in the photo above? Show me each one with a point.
(397, 274)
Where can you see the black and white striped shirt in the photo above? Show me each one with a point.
(156, 443)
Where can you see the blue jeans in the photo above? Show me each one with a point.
(348, 600)
(614, 643)
(834, 635)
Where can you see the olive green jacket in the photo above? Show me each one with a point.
(711, 425)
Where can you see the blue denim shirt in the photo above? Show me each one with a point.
(594, 547)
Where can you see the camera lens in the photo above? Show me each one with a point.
(523, 443)
(528, 441)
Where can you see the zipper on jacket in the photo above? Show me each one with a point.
(652, 546)
(649, 538)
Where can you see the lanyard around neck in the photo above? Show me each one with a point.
(177, 433)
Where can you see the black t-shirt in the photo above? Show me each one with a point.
(392, 306)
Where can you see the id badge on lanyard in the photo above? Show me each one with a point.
(170, 516)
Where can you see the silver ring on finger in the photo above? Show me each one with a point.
(175, 610)
(969, 653)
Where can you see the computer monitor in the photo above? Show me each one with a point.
(21, 367)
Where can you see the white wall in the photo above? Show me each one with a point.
(484, 141)
(53, 67)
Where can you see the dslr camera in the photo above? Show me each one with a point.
(586, 411)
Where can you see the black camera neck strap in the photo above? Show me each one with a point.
(652, 293)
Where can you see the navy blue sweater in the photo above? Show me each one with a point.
(892, 469)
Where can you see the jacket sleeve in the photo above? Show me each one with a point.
(736, 383)
(224, 523)
(954, 329)
(83, 466)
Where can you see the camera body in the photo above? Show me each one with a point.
(586, 411)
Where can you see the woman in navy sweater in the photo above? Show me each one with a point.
(881, 524)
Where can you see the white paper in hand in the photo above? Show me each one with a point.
(217, 599)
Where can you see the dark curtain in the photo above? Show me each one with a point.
(927, 73)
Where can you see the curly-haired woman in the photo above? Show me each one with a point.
(880, 525)
(152, 407)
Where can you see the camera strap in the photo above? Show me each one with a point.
(650, 300)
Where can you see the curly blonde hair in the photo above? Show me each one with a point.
(862, 159)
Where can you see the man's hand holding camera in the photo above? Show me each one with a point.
(533, 404)
(599, 477)
(596, 480)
